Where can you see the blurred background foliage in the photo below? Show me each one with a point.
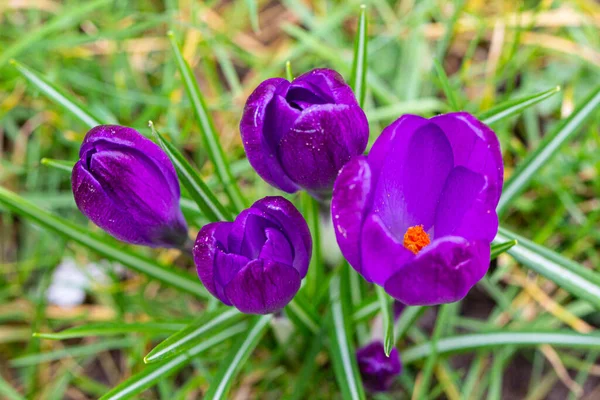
(115, 57)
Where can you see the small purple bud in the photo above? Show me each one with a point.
(418, 214)
(377, 370)
(299, 134)
(127, 186)
(257, 262)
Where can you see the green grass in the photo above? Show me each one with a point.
(78, 63)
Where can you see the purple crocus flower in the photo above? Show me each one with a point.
(417, 215)
(255, 263)
(377, 370)
(299, 135)
(127, 186)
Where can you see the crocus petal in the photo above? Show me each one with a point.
(277, 247)
(323, 86)
(396, 135)
(408, 192)
(377, 370)
(263, 287)
(348, 203)
(226, 266)
(321, 141)
(475, 146)
(382, 254)
(127, 185)
(208, 243)
(442, 272)
(248, 233)
(261, 155)
(292, 225)
(460, 192)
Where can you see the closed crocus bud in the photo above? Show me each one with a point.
(127, 186)
(299, 135)
(255, 263)
(377, 370)
(417, 216)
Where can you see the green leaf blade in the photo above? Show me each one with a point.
(207, 128)
(358, 78)
(515, 106)
(548, 148)
(193, 334)
(189, 178)
(54, 93)
(180, 280)
(388, 320)
(110, 329)
(237, 356)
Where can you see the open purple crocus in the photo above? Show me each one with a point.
(417, 215)
(127, 186)
(299, 134)
(257, 262)
(377, 370)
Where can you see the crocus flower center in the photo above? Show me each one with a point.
(416, 238)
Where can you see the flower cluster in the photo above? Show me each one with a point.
(415, 216)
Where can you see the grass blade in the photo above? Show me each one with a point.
(340, 340)
(110, 329)
(408, 317)
(8, 391)
(445, 83)
(388, 320)
(207, 128)
(149, 376)
(500, 248)
(358, 79)
(63, 165)
(70, 16)
(236, 358)
(253, 12)
(189, 178)
(472, 342)
(549, 147)
(569, 275)
(315, 274)
(59, 96)
(72, 351)
(302, 314)
(289, 75)
(169, 276)
(513, 107)
(192, 334)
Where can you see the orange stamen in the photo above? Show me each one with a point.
(416, 238)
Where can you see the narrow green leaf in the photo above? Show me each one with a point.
(302, 314)
(111, 328)
(253, 13)
(69, 16)
(72, 351)
(445, 83)
(499, 248)
(388, 320)
(515, 106)
(288, 71)
(314, 276)
(193, 334)
(207, 128)
(407, 318)
(57, 95)
(8, 392)
(366, 311)
(549, 147)
(358, 79)
(472, 342)
(305, 376)
(169, 276)
(569, 275)
(63, 165)
(150, 375)
(189, 178)
(236, 358)
(340, 340)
